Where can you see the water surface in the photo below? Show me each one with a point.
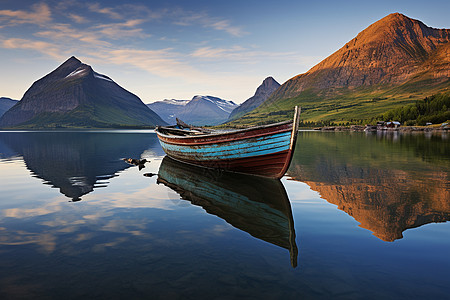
(357, 217)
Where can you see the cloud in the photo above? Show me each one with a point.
(65, 37)
(40, 46)
(188, 18)
(239, 53)
(95, 7)
(236, 52)
(226, 26)
(40, 15)
(78, 19)
(120, 30)
(162, 62)
(248, 55)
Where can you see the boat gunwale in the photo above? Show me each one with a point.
(217, 134)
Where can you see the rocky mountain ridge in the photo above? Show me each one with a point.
(74, 95)
(389, 51)
(395, 60)
(263, 92)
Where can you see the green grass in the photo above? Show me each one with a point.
(345, 105)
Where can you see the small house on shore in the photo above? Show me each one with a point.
(392, 124)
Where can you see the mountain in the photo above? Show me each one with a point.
(199, 111)
(6, 104)
(167, 109)
(394, 61)
(74, 95)
(268, 86)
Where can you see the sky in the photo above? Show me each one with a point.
(181, 48)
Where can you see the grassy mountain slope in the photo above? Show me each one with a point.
(393, 62)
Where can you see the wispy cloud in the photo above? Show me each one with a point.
(250, 55)
(78, 19)
(239, 53)
(235, 52)
(188, 18)
(43, 47)
(164, 62)
(40, 14)
(95, 7)
(226, 26)
(64, 36)
(124, 29)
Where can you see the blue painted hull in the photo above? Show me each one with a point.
(264, 150)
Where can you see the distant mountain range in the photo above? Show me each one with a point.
(268, 86)
(394, 61)
(199, 111)
(74, 95)
(6, 104)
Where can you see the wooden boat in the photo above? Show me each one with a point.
(257, 205)
(262, 150)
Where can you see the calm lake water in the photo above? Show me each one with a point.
(358, 216)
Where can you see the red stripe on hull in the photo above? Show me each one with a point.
(270, 165)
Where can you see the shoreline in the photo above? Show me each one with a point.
(361, 128)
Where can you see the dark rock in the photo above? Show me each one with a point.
(136, 162)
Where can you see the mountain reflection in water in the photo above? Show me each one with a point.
(387, 185)
(256, 205)
(75, 162)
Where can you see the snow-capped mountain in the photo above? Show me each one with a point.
(200, 110)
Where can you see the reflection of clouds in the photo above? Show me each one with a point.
(84, 237)
(124, 226)
(299, 191)
(114, 243)
(22, 213)
(63, 223)
(55, 220)
(11, 170)
(153, 154)
(152, 196)
(46, 241)
(220, 229)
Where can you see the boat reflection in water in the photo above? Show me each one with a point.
(256, 205)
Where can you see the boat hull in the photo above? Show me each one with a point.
(264, 150)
